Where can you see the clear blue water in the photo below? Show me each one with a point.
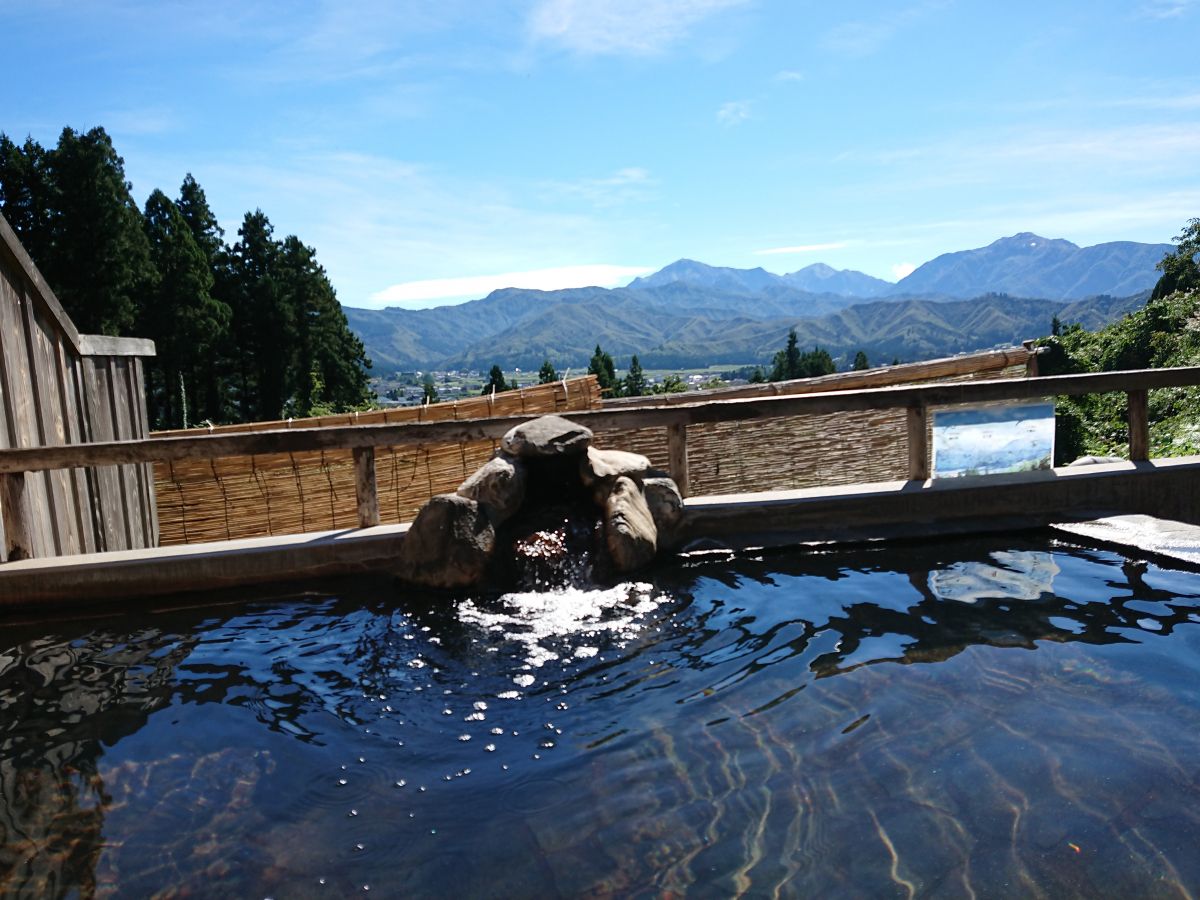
(946, 719)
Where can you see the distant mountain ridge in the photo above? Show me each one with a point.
(692, 314)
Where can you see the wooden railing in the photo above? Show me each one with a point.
(362, 440)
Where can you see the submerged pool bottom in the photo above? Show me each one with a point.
(935, 720)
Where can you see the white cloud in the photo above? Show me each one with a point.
(801, 248)
(902, 270)
(1166, 9)
(471, 287)
(608, 27)
(622, 186)
(862, 38)
(735, 112)
(789, 75)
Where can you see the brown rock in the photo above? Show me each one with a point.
(629, 529)
(666, 508)
(448, 545)
(498, 485)
(603, 465)
(547, 436)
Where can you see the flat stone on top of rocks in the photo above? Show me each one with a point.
(448, 545)
(499, 485)
(602, 465)
(629, 529)
(547, 436)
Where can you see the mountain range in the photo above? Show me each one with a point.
(691, 314)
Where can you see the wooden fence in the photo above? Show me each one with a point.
(913, 401)
(58, 387)
(297, 491)
(830, 449)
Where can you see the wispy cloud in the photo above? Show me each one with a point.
(1166, 9)
(616, 27)
(903, 270)
(628, 185)
(417, 293)
(865, 37)
(802, 248)
(143, 121)
(789, 75)
(735, 112)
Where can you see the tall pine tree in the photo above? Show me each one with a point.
(181, 316)
(98, 260)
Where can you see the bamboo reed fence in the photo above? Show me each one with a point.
(852, 447)
(289, 493)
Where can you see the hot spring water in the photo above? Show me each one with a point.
(945, 719)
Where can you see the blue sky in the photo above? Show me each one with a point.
(435, 150)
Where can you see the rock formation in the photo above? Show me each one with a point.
(548, 507)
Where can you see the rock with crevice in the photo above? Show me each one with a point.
(629, 531)
(449, 544)
(547, 436)
(498, 486)
(666, 508)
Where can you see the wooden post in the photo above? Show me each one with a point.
(918, 445)
(14, 513)
(364, 487)
(677, 456)
(1031, 364)
(1139, 427)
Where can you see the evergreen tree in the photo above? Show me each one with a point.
(786, 364)
(601, 365)
(99, 259)
(1181, 269)
(860, 361)
(495, 382)
(429, 391)
(264, 323)
(329, 370)
(790, 363)
(214, 399)
(758, 376)
(546, 373)
(635, 380)
(208, 234)
(26, 195)
(181, 316)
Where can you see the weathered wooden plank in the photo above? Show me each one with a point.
(108, 484)
(677, 455)
(349, 437)
(147, 500)
(365, 492)
(918, 443)
(41, 333)
(19, 538)
(118, 404)
(1139, 426)
(880, 376)
(103, 345)
(19, 349)
(80, 487)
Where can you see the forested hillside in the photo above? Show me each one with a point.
(1164, 332)
(245, 331)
